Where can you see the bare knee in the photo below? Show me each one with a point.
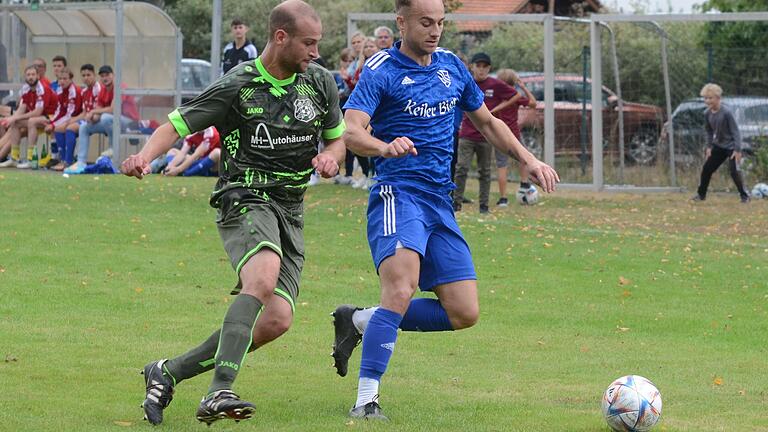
(465, 317)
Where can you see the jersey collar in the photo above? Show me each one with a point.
(407, 61)
(272, 80)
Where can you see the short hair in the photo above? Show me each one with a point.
(383, 29)
(237, 21)
(399, 4)
(347, 53)
(509, 76)
(59, 58)
(284, 18)
(712, 90)
(30, 67)
(68, 71)
(40, 60)
(89, 67)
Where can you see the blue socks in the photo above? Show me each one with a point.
(379, 343)
(200, 167)
(70, 139)
(426, 315)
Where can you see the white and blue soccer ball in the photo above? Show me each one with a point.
(632, 403)
(760, 191)
(528, 196)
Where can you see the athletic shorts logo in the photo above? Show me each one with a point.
(304, 110)
(445, 77)
(390, 216)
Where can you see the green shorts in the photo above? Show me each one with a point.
(247, 224)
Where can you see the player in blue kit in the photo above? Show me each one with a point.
(408, 94)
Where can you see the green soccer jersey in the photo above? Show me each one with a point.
(269, 128)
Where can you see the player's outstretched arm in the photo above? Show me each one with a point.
(362, 143)
(498, 134)
(160, 142)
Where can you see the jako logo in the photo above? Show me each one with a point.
(228, 364)
(254, 110)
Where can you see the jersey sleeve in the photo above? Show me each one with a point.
(471, 97)
(368, 92)
(333, 123)
(210, 108)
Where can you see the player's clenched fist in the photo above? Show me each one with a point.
(326, 165)
(135, 166)
(399, 147)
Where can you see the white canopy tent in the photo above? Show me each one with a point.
(139, 40)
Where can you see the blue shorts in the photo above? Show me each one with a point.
(404, 216)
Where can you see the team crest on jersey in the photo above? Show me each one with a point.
(445, 77)
(304, 110)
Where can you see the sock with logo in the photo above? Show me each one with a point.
(195, 361)
(70, 139)
(378, 344)
(236, 338)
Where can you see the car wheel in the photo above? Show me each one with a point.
(643, 146)
(533, 140)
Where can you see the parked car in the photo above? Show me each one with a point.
(642, 122)
(750, 112)
(195, 77)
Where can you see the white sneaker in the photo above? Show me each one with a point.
(10, 163)
(314, 179)
(343, 180)
(360, 182)
(24, 165)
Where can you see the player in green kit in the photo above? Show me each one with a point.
(271, 114)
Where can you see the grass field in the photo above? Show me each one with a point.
(99, 275)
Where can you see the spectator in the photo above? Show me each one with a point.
(346, 59)
(88, 95)
(41, 67)
(69, 106)
(384, 37)
(58, 63)
(723, 143)
(38, 103)
(240, 49)
(507, 111)
(205, 153)
(356, 41)
(100, 118)
(471, 141)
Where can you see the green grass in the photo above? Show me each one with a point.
(99, 275)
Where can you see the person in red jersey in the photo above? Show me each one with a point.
(38, 104)
(99, 119)
(70, 105)
(205, 151)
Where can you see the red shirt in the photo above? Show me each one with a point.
(496, 92)
(509, 114)
(209, 136)
(39, 96)
(129, 108)
(89, 96)
(70, 104)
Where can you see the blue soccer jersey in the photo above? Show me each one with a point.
(406, 99)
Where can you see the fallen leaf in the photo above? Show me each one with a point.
(11, 358)
(123, 423)
(624, 281)
(138, 290)
(718, 381)
(622, 329)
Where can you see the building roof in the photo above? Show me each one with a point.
(501, 7)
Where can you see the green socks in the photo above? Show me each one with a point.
(195, 361)
(235, 339)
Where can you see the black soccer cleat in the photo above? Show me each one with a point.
(159, 391)
(346, 337)
(369, 411)
(224, 404)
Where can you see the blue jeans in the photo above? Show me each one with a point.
(103, 126)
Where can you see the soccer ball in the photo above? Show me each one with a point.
(528, 196)
(760, 190)
(632, 403)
